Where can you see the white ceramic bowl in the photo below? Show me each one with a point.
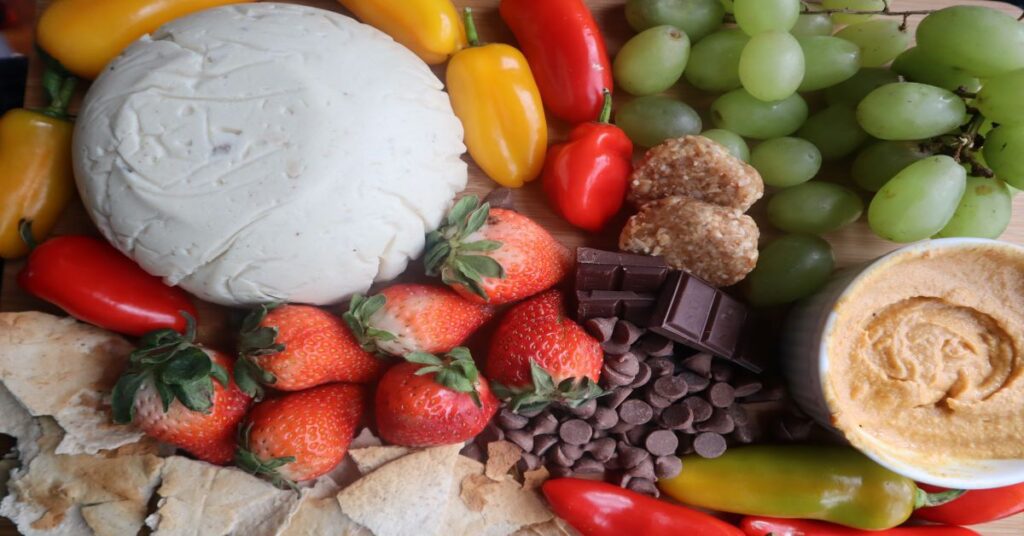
(806, 365)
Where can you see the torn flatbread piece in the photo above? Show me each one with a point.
(370, 458)
(489, 508)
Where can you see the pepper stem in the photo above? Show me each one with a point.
(25, 232)
(59, 84)
(923, 499)
(606, 109)
(471, 34)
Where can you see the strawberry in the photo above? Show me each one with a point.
(181, 393)
(432, 401)
(415, 318)
(538, 356)
(295, 347)
(494, 255)
(300, 436)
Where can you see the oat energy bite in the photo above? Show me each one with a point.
(926, 358)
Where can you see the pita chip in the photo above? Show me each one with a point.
(409, 495)
(506, 506)
(555, 527)
(63, 368)
(365, 438)
(18, 423)
(533, 479)
(502, 456)
(370, 458)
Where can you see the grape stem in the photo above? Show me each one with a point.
(964, 146)
(885, 11)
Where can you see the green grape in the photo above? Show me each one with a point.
(984, 211)
(814, 208)
(772, 66)
(1003, 152)
(743, 114)
(879, 40)
(715, 61)
(910, 111)
(731, 141)
(919, 201)
(1001, 98)
(827, 61)
(853, 90)
(879, 162)
(916, 66)
(790, 268)
(853, 5)
(834, 131)
(756, 16)
(811, 24)
(727, 4)
(785, 162)
(697, 18)
(982, 41)
(652, 61)
(651, 120)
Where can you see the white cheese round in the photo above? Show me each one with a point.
(266, 152)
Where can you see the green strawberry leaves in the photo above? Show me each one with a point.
(457, 371)
(457, 261)
(360, 309)
(543, 391)
(256, 341)
(247, 461)
(173, 365)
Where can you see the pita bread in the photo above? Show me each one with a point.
(406, 496)
(533, 479)
(502, 456)
(555, 527)
(115, 518)
(506, 506)
(370, 458)
(59, 367)
(363, 439)
(18, 423)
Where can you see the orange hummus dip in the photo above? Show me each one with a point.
(926, 356)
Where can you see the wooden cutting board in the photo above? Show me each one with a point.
(853, 244)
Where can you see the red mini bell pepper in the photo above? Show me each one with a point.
(976, 506)
(600, 509)
(566, 52)
(95, 283)
(765, 526)
(586, 177)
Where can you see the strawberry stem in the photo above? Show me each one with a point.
(542, 391)
(457, 371)
(457, 260)
(249, 462)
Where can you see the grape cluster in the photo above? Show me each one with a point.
(934, 134)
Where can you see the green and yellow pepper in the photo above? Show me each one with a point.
(494, 94)
(836, 484)
(430, 28)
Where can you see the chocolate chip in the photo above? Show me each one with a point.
(768, 393)
(656, 346)
(743, 434)
(699, 364)
(720, 423)
(676, 416)
(661, 366)
(635, 412)
(528, 462)
(695, 382)
(530, 413)
(601, 449)
(643, 485)
(630, 457)
(655, 400)
(490, 434)
(699, 407)
(612, 347)
(585, 410)
(521, 438)
(626, 333)
(721, 370)
(604, 418)
(474, 451)
(667, 466)
(721, 395)
(616, 397)
(545, 423)
(624, 480)
(626, 364)
(671, 387)
(747, 387)
(500, 198)
(614, 378)
(621, 427)
(600, 328)
(635, 437)
(644, 469)
(709, 445)
(509, 420)
(543, 443)
(587, 466)
(575, 432)
(642, 376)
(661, 442)
(558, 471)
(686, 443)
(739, 414)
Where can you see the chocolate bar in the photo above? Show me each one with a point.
(632, 306)
(606, 270)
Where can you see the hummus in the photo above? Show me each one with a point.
(926, 356)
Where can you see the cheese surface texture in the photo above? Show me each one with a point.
(267, 152)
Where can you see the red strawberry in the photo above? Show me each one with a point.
(494, 255)
(415, 318)
(181, 393)
(300, 436)
(432, 401)
(295, 347)
(538, 355)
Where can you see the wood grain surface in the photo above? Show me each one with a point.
(852, 245)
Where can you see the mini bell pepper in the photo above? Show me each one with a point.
(36, 178)
(835, 484)
(84, 35)
(566, 52)
(586, 178)
(976, 506)
(430, 28)
(600, 509)
(767, 526)
(493, 92)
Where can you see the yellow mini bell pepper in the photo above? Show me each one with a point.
(36, 178)
(494, 94)
(430, 28)
(84, 35)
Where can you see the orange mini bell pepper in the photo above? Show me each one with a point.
(430, 28)
(84, 35)
(494, 94)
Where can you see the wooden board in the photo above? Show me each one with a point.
(854, 244)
